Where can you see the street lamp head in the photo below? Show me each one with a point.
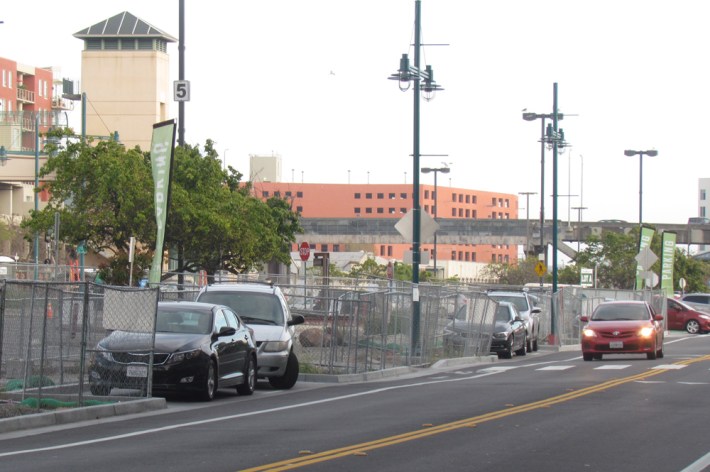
(444, 170)
(530, 116)
(403, 76)
(630, 153)
(652, 153)
(426, 170)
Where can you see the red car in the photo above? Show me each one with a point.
(683, 316)
(622, 327)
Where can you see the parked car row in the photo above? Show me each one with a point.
(232, 335)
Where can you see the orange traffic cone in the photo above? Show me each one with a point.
(50, 311)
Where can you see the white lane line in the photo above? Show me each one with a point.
(556, 367)
(668, 367)
(502, 368)
(613, 367)
(699, 465)
(693, 383)
(240, 415)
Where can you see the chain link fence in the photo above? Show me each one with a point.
(50, 336)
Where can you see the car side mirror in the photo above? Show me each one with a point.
(658, 317)
(517, 318)
(536, 309)
(226, 331)
(296, 320)
(584, 318)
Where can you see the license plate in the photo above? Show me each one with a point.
(136, 371)
(616, 345)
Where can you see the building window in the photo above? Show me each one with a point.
(453, 197)
(507, 203)
(468, 213)
(493, 201)
(392, 196)
(474, 199)
(382, 250)
(380, 210)
(299, 209)
(473, 257)
(493, 258)
(453, 255)
(475, 214)
(392, 211)
(357, 196)
(368, 196)
(45, 88)
(702, 190)
(4, 82)
(460, 255)
(288, 193)
(426, 194)
(403, 210)
(357, 210)
(380, 196)
(460, 198)
(265, 194)
(277, 194)
(324, 248)
(336, 247)
(453, 212)
(299, 194)
(702, 211)
(368, 210)
(403, 196)
(468, 256)
(426, 208)
(468, 198)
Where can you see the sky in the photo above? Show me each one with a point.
(308, 81)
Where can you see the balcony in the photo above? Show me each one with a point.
(25, 96)
(59, 103)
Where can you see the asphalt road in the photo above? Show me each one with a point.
(541, 412)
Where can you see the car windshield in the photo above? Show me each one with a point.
(520, 302)
(617, 311)
(502, 314)
(259, 308)
(183, 321)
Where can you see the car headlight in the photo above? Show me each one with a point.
(588, 333)
(275, 346)
(646, 331)
(183, 356)
(500, 335)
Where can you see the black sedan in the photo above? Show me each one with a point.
(199, 347)
(509, 332)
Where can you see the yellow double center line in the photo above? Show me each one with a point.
(362, 448)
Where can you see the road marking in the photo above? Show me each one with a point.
(465, 423)
(699, 465)
(669, 367)
(612, 367)
(498, 369)
(556, 367)
(693, 383)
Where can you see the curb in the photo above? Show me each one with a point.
(72, 415)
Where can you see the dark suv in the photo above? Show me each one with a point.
(263, 308)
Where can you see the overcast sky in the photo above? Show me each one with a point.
(308, 80)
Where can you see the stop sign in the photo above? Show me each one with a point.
(304, 251)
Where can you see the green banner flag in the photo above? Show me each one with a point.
(645, 239)
(667, 262)
(161, 157)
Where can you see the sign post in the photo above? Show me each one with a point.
(304, 251)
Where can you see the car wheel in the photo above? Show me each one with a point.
(587, 357)
(209, 387)
(522, 350)
(247, 388)
(287, 380)
(528, 344)
(651, 355)
(659, 353)
(534, 343)
(692, 327)
(100, 390)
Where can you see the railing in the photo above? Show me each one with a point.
(24, 95)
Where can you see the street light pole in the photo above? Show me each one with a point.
(542, 117)
(527, 220)
(651, 153)
(404, 75)
(579, 224)
(443, 170)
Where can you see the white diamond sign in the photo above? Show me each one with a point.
(646, 258)
(405, 227)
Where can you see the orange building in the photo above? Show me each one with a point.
(312, 200)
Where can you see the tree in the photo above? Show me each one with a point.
(509, 274)
(104, 194)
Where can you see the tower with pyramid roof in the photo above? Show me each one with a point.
(125, 73)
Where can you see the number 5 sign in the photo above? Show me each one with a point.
(181, 90)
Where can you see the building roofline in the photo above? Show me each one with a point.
(123, 25)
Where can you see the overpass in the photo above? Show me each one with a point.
(480, 231)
